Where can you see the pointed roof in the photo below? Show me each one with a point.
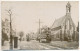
(58, 22)
(61, 20)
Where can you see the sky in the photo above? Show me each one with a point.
(26, 14)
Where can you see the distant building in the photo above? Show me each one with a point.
(64, 27)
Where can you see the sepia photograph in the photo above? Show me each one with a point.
(39, 25)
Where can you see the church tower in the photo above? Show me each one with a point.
(68, 9)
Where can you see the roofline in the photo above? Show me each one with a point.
(53, 23)
(55, 20)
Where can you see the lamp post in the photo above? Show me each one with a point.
(11, 37)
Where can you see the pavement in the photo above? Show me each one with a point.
(6, 46)
(64, 44)
(35, 45)
(29, 45)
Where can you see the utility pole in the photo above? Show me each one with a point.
(39, 29)
(39, 26)
(11, 36)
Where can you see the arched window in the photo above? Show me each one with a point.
(68, 25)
(69, 9)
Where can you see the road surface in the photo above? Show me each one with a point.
(35, 45)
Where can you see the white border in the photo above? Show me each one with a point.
(39, 0)
(0, 25)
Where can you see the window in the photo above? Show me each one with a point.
(68, 25)
(65, 26)
(69, 9)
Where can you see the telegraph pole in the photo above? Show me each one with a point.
(39, 26)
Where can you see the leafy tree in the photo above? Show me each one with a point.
(21, 35)
(78, 27)
(28, 37)
(4, 37)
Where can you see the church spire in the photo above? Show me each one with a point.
(68, 8)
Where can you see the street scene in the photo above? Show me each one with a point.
(40, 25)
(41, 46)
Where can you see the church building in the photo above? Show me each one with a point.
(64, 27)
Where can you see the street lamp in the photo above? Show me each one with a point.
(11, 37)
